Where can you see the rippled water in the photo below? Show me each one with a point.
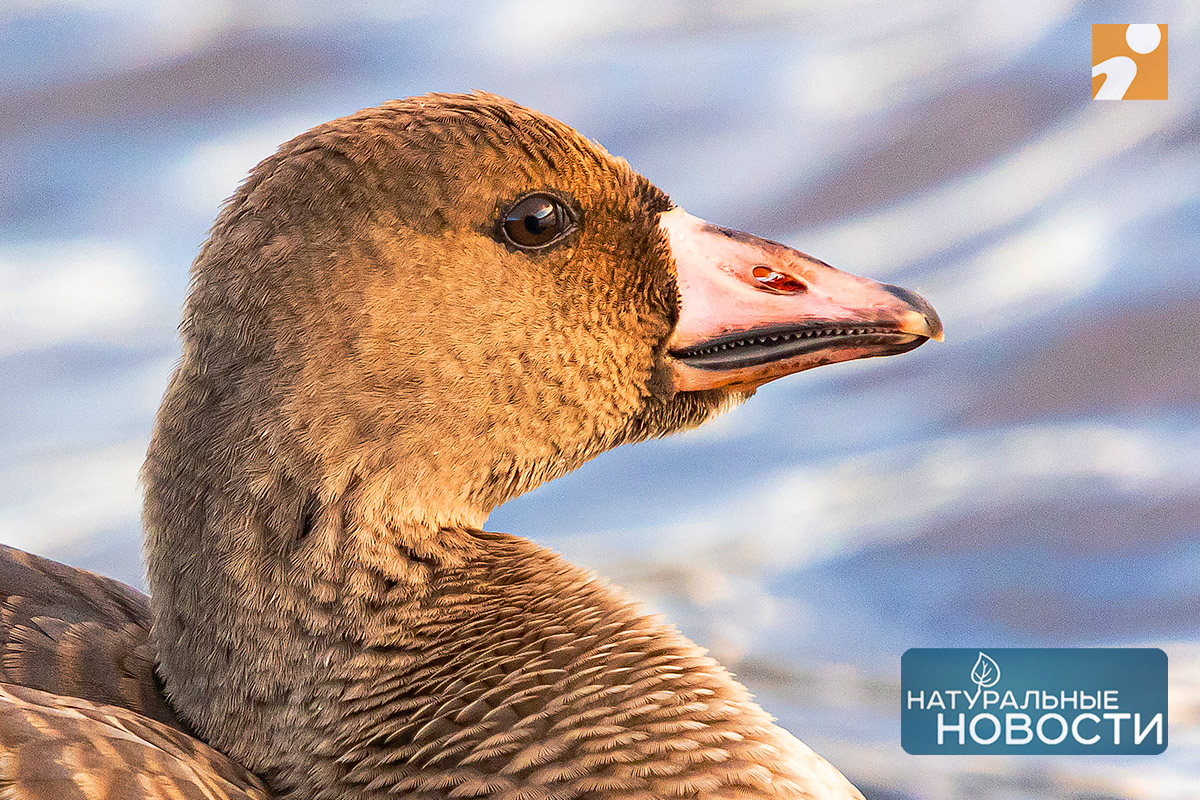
(1034, 481)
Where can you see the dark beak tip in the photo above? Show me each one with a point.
(921, 306)
(936, 331)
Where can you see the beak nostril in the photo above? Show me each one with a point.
(778, 282)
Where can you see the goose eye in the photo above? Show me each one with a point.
(536, 221)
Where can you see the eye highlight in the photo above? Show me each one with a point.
(536, 221)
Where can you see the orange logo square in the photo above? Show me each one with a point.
(1129, 62)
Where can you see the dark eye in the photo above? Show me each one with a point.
(536, 221)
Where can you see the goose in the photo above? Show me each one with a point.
(402, 319)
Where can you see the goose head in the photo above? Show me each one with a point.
(445, 301)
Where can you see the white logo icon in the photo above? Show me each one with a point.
(985, 674)
(1119, 71)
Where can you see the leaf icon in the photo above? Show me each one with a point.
(986, 672)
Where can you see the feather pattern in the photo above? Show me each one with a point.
(71, 632)
(63, 748)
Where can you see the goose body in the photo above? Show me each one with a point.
(402, 319)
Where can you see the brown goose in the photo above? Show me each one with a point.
(402, 319)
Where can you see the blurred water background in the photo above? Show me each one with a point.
(1033, 482)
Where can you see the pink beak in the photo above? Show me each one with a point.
(752, 310)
